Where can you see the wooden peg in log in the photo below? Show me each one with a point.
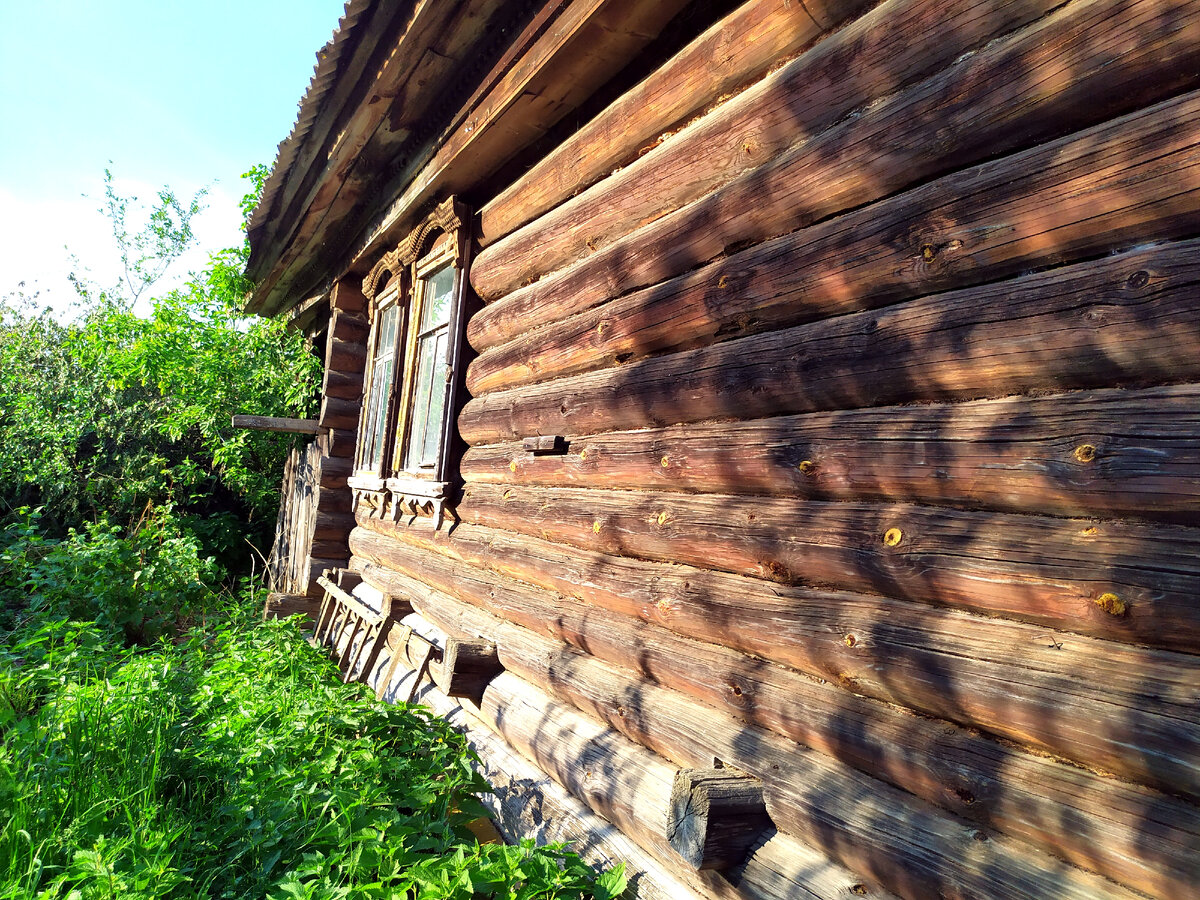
(715, 816)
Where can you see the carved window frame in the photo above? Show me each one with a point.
(403, 276)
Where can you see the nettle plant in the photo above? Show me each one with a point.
(237, 765)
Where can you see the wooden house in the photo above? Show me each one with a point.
(772, 426)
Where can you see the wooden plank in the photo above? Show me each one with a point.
(980, 672)
(1116, 580)
(346, 385)
(349, 357)
(276, 423)
(980, 108)
(909, 846)
(280, 606)
(730, 54)
(1128, 320)
(339, 413)
(1108, 452)
(338, 443)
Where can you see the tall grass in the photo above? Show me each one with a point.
(230, 761)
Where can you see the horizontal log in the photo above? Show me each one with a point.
(345, 356)
(276, 423)
(334, 472)
(526, 804)
(346, 385)
(339, 413)
(332, 526)
(991, 222)
(910, 847)
(898, 653)
(876, 55)
(352, 327)
(715, 817)
(1126, 320)
(347, 295)
(979, 110)
(747, 41)
(338, 443)
(622, 781)
(1116, 452)
(1121, 581)
(322, 547)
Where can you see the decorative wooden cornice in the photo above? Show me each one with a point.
(449, 216)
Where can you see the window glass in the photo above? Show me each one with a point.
(439, 290)
(429, 389)
(380, 389)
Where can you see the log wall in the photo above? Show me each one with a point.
(866, 374)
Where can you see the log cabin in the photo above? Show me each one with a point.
(769, 428)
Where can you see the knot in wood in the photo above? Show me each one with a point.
(1139, 279)
(1085, 453)
(928, 252)
(807, 467)
(1112, 604)
(892, 537)
(665, 461)
(850, 640)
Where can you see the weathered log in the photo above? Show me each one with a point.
(339, 413)
(328, 548)
(331, 526)
(804, 277)
(715, 816)
(1126, 320)
(1122, 581)
(979, 108)
(743, 44)
(622, 781)
(347, 295)
(346, 385)
(467, 667)
(1114, 452)
(338, 442)
(334, 472)
(352, 327)
(1011, 682)
(912, 848)
(345, 356)
(276, 423)
(526, 804)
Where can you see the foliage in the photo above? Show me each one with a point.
(237, 765)
(135, 588)
(117, 410)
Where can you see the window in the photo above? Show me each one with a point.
(402, 465)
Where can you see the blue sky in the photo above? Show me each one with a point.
(188, 95)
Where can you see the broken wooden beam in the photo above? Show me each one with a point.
(276, 423)
(716, 815)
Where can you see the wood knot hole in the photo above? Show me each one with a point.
(849, 640)
(512, 466)
(596, 526)
(1085, 453)
(807, 467)
(665, 461)
(737, 691)
(965, 796)
(859, 889)
(723, 282)
(928, 252)
(1112, 604)
(1139, 279)
(892, 537)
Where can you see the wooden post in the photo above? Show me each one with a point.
(715, 816)
(276, 423)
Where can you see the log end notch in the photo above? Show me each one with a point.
(716, 815)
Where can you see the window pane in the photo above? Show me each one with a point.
(428, 400)
(439, 291)
(437, 402)
(381, 389)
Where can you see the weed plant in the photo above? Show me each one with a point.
(229, 761)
